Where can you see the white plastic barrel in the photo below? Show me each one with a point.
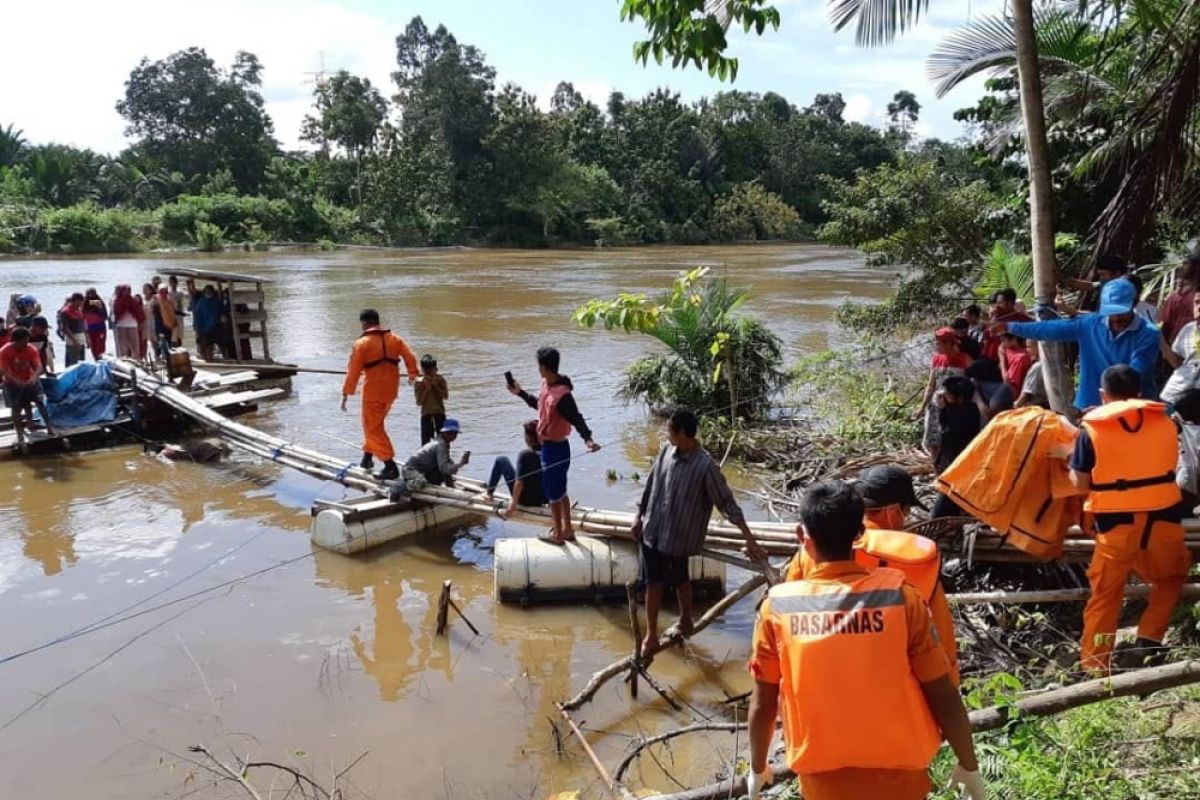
(349, 531)
(590, 568)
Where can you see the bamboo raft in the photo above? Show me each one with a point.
(724, 541)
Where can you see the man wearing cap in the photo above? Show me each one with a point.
(888, 495)
(1113, 336)
(432, 465)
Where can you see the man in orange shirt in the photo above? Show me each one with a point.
(888, 494)
(851, 657)
(377, 353)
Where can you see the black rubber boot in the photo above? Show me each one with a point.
(1153, 654)
(390, 472)
(368, 461)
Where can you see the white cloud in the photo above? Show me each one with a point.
(858, 108)
(69, 95)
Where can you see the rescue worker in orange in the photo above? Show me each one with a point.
(851, 657)
(1125, 457)
(887, 492)
(377, 354)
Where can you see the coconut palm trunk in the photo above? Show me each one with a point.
(1041, 201)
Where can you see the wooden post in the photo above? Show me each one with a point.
(631, 597)
(443, 611)
(462, 616)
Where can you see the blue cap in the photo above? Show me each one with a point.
(27, 300)
(1117, 297)
(450, 426)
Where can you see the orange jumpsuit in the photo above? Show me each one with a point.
(1136, 502)
(377, 355)
(849, 650)
(924, 576)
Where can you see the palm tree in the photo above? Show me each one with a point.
(878, 22)
(12, 145)
(1131, 74)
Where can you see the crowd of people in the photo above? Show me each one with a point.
(144, 324)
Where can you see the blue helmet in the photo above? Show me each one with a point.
(27, 300)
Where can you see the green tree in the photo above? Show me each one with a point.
(751, 212)
(718, 361)
(12, 145)
(349, 111)
(915, 217)
(904, 110)
(830, 106)
(191, 117)
(693, 31)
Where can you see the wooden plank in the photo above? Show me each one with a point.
(247, 297)
(233, 398)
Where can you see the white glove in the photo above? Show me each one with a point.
(759, 781)
(968, 783)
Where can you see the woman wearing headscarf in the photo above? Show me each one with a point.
(149, 342)
(128, 317)
(95, 316)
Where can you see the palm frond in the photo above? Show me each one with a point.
(1003, 269)
(1064, 42)
(878, 20)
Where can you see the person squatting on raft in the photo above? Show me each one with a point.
(377, 355)
(851, 657)
(557, 414)
(431, 393)
(524, 481)
(432, 464)
(1124, 457)
(20, 366)
(672, 520)
(888, 495)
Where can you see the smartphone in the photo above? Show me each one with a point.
(509, 378)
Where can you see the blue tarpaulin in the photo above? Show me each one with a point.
(85, 394)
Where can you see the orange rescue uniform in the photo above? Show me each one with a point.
(377, 355)
(849, 650)
(1136, 502)
(915, 556)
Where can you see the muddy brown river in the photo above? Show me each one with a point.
(325, 658)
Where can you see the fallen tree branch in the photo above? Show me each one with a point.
(1050, 596)
(613, 786)
(649, 741)
(669, 638)
(1138, 682)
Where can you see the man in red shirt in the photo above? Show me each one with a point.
(1004, 309)
(20, 365)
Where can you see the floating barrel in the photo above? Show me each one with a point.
(588, 569)
(356, 525)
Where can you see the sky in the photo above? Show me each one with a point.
(65, 62)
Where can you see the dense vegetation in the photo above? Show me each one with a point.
(449, 158)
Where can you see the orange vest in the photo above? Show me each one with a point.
(834, 641)
(1136, 446)
(915, 556)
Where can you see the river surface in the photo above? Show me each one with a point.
(325, 658)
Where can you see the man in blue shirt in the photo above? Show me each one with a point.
(207, 310)
(1114, 335)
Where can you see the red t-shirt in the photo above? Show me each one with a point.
(20, 360)
(959, 361)
(991, 342)
(1017, 362)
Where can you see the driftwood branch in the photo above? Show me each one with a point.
(669, 638)
(1050, 596)
(649, 741)
(613, 786)
(1139, 682)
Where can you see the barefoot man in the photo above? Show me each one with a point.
(672, 520)
(20, 365)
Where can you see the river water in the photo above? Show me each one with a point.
(324, 658)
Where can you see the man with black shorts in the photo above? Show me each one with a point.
(672, 520)
(20, 365)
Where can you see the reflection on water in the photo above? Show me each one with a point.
(344, 658)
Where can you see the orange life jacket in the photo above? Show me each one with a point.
(848, 693)
(1137, 446)
(915, 556)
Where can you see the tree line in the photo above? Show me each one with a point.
(449, 157)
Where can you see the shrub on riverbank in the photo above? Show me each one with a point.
(88, 228)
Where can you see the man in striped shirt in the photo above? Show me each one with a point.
(672, 520)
